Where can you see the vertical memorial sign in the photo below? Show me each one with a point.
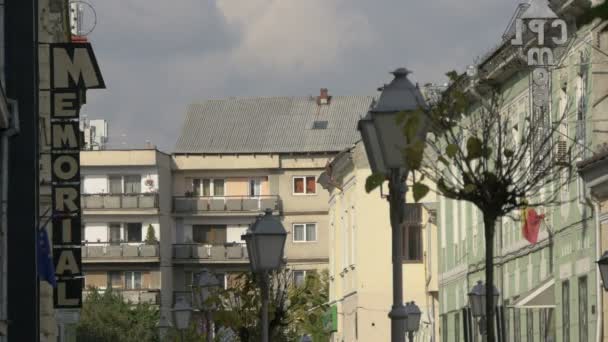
(74, 69)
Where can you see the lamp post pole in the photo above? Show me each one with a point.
(264, 287)
(397, 191)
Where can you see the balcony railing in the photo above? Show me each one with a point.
(227, 253)
(134, 296)
(120, 201)
(107, 250)
(202, 204)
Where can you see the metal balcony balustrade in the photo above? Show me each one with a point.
(111, 250)
(202, 204)
(120, 201)
(229, 252)
(135, 296)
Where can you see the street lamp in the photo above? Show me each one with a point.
(265, 241)
(477, 299)
(603, 265)
(412, 323)
(206, 283)
(163, 325)
(477, 302)
(384, 141)
(182, 313)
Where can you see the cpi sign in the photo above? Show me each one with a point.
(538, 31)
(74, 69)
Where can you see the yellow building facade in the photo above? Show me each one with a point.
(360, 263)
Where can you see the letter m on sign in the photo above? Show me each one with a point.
(73, 66)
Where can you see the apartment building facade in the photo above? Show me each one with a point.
(549, 290)
(237, 157)
(360, 260)
(125, 221)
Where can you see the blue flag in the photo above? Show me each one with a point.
(46, 269)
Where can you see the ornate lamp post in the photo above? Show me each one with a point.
(477, 302)
(603, 265)
(182, 313)
(265, 241)
(206, 283)
(412, 323)
(384, 142)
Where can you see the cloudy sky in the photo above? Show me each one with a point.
(158, 56)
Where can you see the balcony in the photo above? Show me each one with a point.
(119, 201)
(235, 204)
(135, 296)
(196, 252)
(111, 252)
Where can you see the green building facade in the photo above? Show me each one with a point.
(549, 290)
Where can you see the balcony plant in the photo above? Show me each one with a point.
(151, 236)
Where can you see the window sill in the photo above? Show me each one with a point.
(408, 261)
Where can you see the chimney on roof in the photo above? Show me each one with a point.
(324, 97)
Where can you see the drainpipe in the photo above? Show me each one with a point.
(598, 277)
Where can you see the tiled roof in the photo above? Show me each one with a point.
(271, 125)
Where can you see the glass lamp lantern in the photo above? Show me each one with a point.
(182, 313)
(477, 299)
(206, 283)
(413, 317)
(382, 131)
(265, 243)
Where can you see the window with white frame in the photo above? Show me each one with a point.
(208, 187)
(299, 278)
(304, 185)
(255, 187)
(305, 232)
(127, 184)
(132, 280)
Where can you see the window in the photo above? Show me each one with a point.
(305, 185)
(132, 280)
(114, 231)
(457, 327)
(133, 184)
(529, 326)
(299, 277)
(444, 328)
(566, 311)
(134, 232)
(206, 183)
(319, 125)
(254, 187)
(115, 183)
(582, 309)
(412, 242)
(218, 187)
(516, 325)
(114, 280)
(213, 235)
(208, 187)
(305, 232)
(196, 187)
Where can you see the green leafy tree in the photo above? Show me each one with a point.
(475, 152)
(151, 236)
(107, 317)
(293, 311)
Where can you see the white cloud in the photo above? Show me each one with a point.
(296, 35)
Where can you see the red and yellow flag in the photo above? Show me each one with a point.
(531, 224)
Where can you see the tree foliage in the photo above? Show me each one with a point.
(293, 310)
(107, 317)
(151, 235)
